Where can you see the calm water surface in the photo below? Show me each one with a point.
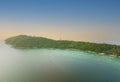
(54, 64)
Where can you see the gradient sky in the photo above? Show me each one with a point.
(83, 20)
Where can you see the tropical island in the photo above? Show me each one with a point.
(24, 41)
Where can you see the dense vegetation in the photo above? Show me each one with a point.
(23, 41)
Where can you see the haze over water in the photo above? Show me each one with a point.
(77, 20)
(55, 64)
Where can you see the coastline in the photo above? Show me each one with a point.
(30, 42)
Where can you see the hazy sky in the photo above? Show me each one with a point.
(84, 20)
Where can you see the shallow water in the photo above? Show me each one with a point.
(55, 64)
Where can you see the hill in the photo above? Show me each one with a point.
(23, 41)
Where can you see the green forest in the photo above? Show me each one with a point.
(24, 41)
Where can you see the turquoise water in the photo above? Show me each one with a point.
(55, 64)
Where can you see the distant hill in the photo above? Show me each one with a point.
(23, 41)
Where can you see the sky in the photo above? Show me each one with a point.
(79, 20)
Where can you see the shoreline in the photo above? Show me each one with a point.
(102, 54)
(30, 42)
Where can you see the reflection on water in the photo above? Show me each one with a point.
(49, 64)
